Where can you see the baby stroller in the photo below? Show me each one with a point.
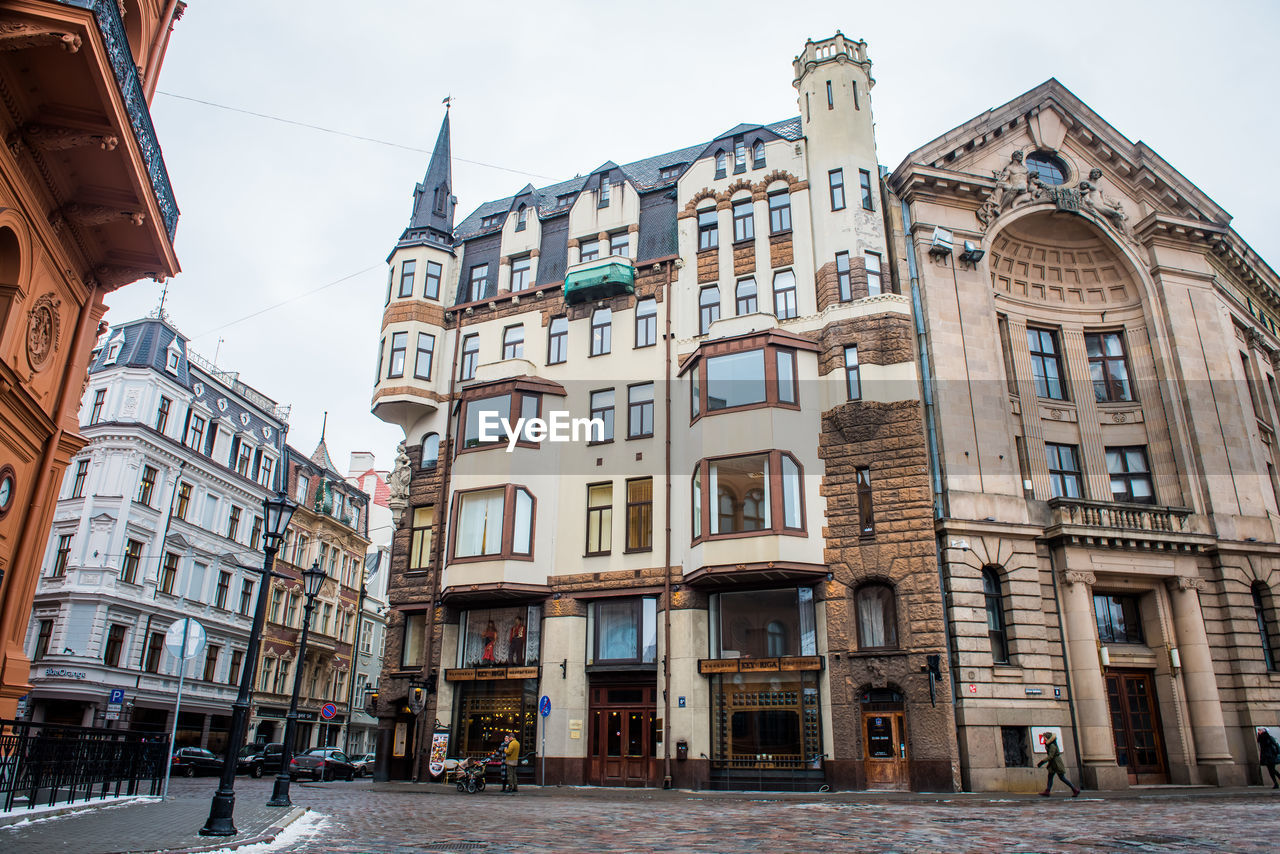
(469, 775)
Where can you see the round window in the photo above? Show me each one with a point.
(1049, 167)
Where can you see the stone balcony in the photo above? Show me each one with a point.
(1113, 524)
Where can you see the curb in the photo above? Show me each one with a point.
(12, 818)
(268, 835)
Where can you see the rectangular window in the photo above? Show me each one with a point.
(246, 596)
(605, 191)
(479, 282)
(520, 270)
(277, 603)
(708, 308)
(864, 181)
(558, 341)
(735, 379)
(1119, 618)
(601, 331)
(763, 624)
(412, 650)
(599, 518)
(787, 385)
(1130, 475)
(739, 155)
(195, 432)
(43, 636)
(866, 519)
(875, 285)
(169, 573)
(399, 346)
(740, 492)
(1108, 366)
(527, 404)
(1014, 741)
(836, 180)
(721, 162)
(483, 528)
(114, 646)
(640, 411)
(747, 296)
(268, 674)
(620, 245)
(184, 500)
(602, 410)
(99, 398)
(1046, 365)
(162, 414)
(302, 489)
(744, 223)
(243, 457)
(470, 356)
(220, 595)
(431, 287)
(211, 663)
(233, 672)
(62, 556)
(255, 533)
(420, 546)
(852, 378)
(132, 560)
(406, 278)
(1064, 470)
(842, 276)
(425, 354)
(155, 649)
(708, 229)
(640, 514)
(831, 101)
(856, 105)
(784, 294)
(624, 631)
(646, 322)
(780, 212)
(513, 342)
(291, 610)
(82, 474)
(590, 250)
(233, 523)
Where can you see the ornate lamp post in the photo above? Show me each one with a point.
(276, 513)
(312, 580)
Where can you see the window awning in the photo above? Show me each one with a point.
(599, 282)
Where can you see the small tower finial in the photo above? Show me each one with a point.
(448, 102)
(324, 424)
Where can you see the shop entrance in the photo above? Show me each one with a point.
(623, 735)
(884, 740)
(1135, 725)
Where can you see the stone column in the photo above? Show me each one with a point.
(1088, 689)
(1200, 683)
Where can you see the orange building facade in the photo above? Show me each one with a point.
(85, 208)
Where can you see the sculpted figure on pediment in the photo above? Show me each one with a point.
(1013, 187)
(1095, 201)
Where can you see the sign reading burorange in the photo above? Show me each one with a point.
(708, 666)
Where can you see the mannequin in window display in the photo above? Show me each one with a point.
(515, 642)
(490, 638)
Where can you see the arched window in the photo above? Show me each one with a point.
(877, 617)
(1050, 168)
(721, 163)
(430, 450)
(753, 510)
(747, 296)
(708, 308)
(1260, 596)
(994, 600)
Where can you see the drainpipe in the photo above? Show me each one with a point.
(666, 553)
(158, 50)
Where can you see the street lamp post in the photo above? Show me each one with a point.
(312, 580)
(276, 514)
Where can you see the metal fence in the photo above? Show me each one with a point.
(47, 764)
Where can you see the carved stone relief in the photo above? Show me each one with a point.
(43, 330)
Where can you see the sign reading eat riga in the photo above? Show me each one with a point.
(759, 665)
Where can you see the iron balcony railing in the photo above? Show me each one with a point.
(46, 764)
(111, 27)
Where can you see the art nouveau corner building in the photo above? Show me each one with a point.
(815, 540)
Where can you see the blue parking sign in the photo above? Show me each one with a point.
(117, 695)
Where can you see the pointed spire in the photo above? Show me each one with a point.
(433, 198)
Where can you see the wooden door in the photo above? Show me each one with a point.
(885, 750)
(1135, 725)
(622, 735)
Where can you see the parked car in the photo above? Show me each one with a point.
(324, 763)
(190, 761)
(364, 764)
(259, 759)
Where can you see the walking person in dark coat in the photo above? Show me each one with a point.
(1056, 766)
(1269, 755)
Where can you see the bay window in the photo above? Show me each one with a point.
(747, 495)
(507, 407)
(763, 623)
(493, 523)
(741, 376)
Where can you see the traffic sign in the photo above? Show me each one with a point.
(195, 638)
(328, 710)
(544, 706)
(117, 695)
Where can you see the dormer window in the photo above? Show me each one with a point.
(721, 160)
(491, 221)
(604, 191)
(668, 173)
(757, 155)
(114, 346)
(739, 155)
(565, 200)
(522, 218)
(441, 198)
(173, 357)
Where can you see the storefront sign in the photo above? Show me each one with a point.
(275, 712)
(759, 665)
(63, 673)
(1038, 739)
(489, 673)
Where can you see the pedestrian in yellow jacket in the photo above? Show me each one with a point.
(511, 758)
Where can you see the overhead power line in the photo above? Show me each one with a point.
(323, 129)
(283, 303)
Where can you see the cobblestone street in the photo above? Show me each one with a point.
(398, 818)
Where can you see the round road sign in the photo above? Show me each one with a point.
(328, 710)
(195, 638)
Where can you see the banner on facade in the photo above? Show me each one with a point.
(439, 749)
(490, 673)
(707, 666)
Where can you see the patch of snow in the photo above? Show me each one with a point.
(305, 828)
(70, 809)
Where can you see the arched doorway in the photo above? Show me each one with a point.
(884, 739)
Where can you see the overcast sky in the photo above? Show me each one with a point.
(274, 212)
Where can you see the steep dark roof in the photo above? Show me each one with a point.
(429, 221)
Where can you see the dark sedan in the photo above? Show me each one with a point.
(190, 761)
(324, 763)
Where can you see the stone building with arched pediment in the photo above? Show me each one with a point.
(1100, 349)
